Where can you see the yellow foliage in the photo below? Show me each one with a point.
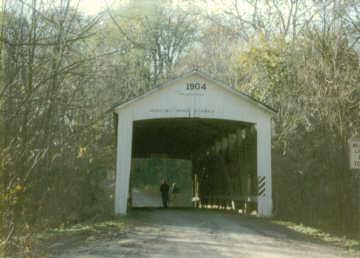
(18, 188)
(263, 51)
(82, 152)
(12, 197)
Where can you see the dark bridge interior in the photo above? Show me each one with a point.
(180, 138)
(223, 155)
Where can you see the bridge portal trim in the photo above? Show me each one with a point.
(193, 95)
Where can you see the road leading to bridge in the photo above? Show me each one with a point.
(201, 233)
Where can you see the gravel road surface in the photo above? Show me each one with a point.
(189, 233)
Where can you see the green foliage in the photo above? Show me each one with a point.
(149, 40)
(63, 72)
(54, 164)
(314, 85)
(149, 172)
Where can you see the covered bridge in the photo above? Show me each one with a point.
(225, 133)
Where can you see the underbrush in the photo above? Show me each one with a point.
(352, 245)
(59, 239)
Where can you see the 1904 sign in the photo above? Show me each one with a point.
(354, 153)
(195, 86)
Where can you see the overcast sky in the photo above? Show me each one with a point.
(92, 7)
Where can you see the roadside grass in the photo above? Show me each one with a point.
(351, 245)
(55, 240)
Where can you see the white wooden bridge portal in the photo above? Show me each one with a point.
(225, 133)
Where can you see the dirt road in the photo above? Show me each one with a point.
(198, 233)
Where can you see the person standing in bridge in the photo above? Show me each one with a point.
(164, 189)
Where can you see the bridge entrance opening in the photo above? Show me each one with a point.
(212, 161)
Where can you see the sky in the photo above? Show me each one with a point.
(92, 7)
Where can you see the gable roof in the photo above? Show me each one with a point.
(203, 75)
